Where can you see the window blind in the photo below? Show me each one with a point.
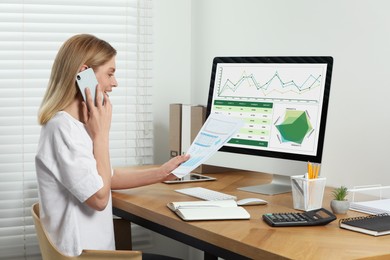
(31, 32)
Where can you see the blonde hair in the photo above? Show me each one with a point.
(73, 54)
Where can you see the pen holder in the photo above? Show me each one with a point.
(307, 193)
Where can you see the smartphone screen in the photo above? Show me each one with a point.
(87, 78)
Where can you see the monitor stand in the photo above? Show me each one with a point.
(279, 184)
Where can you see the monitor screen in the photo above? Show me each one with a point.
(282, 100)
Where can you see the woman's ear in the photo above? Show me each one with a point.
(84, 67)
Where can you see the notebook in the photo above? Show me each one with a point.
(208, 210)
(375, 225)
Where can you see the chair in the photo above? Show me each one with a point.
(50, 252)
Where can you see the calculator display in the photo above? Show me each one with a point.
(322, 214)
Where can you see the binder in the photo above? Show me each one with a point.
(185, 127)
(175, 111)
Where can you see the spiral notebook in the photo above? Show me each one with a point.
(375, 225)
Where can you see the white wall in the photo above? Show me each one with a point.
(172, 66)
(172, 84)
(355, 32)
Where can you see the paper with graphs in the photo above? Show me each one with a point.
(215, 132)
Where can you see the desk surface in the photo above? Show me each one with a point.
(252, 238)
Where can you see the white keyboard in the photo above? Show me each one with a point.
(206, 194)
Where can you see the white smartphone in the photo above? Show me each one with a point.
(87, 78)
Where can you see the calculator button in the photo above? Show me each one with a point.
(279, 217)
(271, 216)
(292, 217)
(285, 217)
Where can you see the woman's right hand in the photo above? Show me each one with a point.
(97, 119)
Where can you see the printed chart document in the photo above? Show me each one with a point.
(215, 132)
(208, 210)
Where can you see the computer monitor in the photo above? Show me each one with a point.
(284, 103)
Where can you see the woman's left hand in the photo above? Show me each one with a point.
(172, 164)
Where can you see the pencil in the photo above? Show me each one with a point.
(317, 170)
(309, 170)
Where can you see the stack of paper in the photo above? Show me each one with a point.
(372, 206)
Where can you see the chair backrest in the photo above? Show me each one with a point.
(48, 250)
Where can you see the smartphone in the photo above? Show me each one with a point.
(85, 79)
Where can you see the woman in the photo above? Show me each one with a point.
(73, 167)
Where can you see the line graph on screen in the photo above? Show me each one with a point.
(279, 82)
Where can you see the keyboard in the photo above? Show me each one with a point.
(206, 194)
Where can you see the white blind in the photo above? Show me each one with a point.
(31, 32)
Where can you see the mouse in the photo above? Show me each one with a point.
(251, 201)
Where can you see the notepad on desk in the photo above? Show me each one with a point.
(208, 210)
(375, 225)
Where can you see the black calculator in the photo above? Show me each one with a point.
(316, 217)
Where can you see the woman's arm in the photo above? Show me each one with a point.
(98, 122)
(129, 178)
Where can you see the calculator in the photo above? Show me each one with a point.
(316, 217)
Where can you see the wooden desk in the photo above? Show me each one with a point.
(243, 239)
